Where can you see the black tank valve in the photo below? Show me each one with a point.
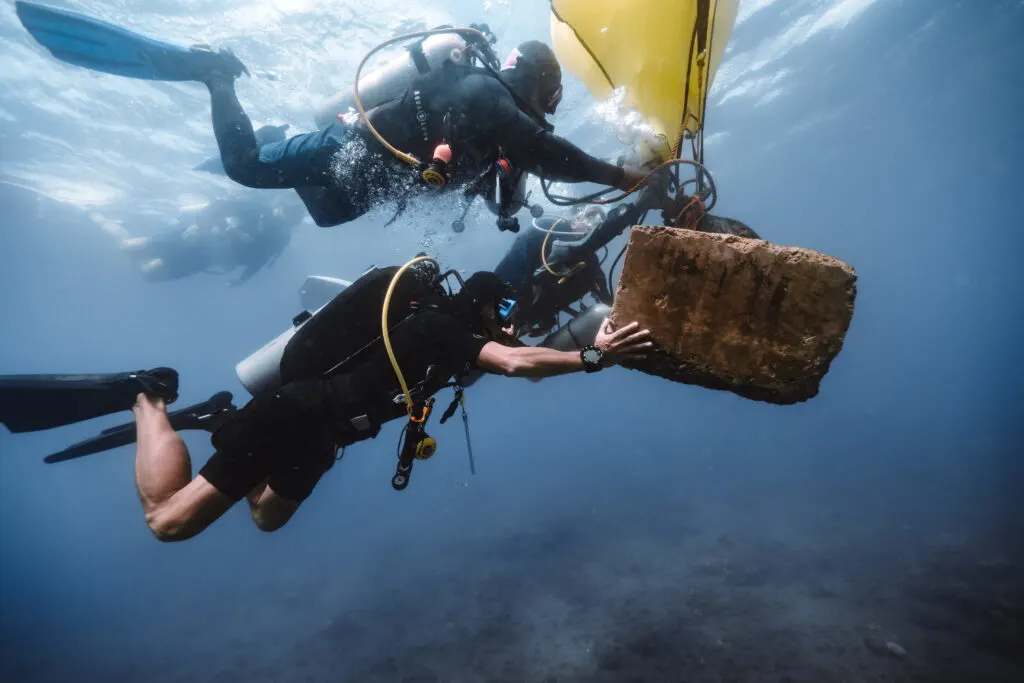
(510, 223)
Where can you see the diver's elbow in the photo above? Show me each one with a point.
(506, 367)
(515, 367)
(498, 359)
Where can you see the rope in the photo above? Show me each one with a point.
(695, 200)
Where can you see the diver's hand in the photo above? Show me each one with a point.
(631, 177)
(627, 342)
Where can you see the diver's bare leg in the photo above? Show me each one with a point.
(270, 511)
(176, 506)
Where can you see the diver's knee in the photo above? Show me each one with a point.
(167, 527)
(323, 220)
(272, 512)
(239, 168)
(236, 172)
(266, 524)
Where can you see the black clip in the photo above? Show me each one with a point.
(453, 406)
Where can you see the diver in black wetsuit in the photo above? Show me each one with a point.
(553, 265)
(546, 286)
(274, 450)
(224, 235)
(342, 171)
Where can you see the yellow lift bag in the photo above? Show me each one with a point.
(664, 52)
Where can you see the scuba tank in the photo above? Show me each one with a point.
(326, 343)
(319, 342)
(578, 332)
(392, 79)
(260, 372)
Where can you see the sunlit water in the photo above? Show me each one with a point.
(619, 527)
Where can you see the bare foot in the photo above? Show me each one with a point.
(146, 407)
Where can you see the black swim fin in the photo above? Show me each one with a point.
(102, 46)
(207, 416)
(32, 403)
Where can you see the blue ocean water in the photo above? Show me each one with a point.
(619, 527)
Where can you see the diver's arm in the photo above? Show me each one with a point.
(528, 145)
(529, 361)
(555, 158)
(618, 221)
(536, 361)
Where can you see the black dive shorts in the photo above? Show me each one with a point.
(283, 438)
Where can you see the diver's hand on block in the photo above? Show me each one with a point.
(627, 342)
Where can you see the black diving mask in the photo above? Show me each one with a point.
(553, 100)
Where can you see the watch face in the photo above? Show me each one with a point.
(592, 355)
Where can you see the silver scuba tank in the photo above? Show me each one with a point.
(578, 332)
(261, 371)
(391, 79)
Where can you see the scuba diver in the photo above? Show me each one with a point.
(555, 273)
(554, 266)
(339, 376)
(547, 287)
(463, 121)
(222, 236)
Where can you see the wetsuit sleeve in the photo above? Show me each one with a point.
(555, 158)
(536, 150)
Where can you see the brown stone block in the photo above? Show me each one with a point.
(742, 315)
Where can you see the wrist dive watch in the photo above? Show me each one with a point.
(591, 357)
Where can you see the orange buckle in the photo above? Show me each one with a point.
(425, 414)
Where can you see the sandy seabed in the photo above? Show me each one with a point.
(610, 597)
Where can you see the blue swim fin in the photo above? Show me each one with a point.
(101, 46)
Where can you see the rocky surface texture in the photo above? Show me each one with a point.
(761, 320)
